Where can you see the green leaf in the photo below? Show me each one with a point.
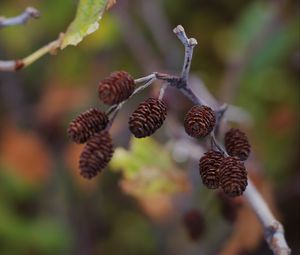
(86, 21)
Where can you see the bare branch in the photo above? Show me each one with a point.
(189, 44)
(21, 19)
(273, 230)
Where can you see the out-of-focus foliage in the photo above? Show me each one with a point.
(247, 55)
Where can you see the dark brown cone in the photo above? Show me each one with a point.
(199, 121)
(116, 88)
(194, 224)
(209, 168)
(95, 155)
(229, 207)
(233, 176)
(147, 118)
(86, 125)
(237, 144)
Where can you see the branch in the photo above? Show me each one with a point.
(273, 230)
(189, 44)
(21, 19)
(15, 65)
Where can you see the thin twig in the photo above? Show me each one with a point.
(21, 19)
(113, 110)
(162, 91)
(15, 65)
(189, 44)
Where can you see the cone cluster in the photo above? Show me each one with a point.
(96, 155)
(209, 166)
(86, 125)
(199, 121)
(116, 88)
(147, 118)
(237, 144)
(229, 173)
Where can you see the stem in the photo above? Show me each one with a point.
(29, 12)
(162, 91)
(113, 110)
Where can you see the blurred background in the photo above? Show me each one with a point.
(247, 55)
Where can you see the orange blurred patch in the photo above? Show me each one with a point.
(282, 120)
(57, 100)
(24, 153)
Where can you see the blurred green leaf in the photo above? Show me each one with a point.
(88, 14)
(143, 152)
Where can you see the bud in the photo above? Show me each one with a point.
(116, 88)
(147, 118)
(199, 121)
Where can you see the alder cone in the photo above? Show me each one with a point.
(86, 125)
(233, 176)
(199, 121)
(96, 155)
(209, 168)
(194, 224)
(147, 118)
(237, 144)
(116, 88)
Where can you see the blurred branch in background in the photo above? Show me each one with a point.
(29, 12)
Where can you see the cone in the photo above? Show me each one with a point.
(209, 168)
(96, 155)
(116, 88)
(194, 224)
(86, 125)
(237, 144)
(147, 118)
(199, 121)
(233, 176)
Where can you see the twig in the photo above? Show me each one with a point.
(162, 91)
(15, 65)
(29, 12)
(189, 44)
(113, 110)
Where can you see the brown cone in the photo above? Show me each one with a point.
(199, 121)
(96, 155)
(116, 88)
(209, 168)
(233, 176)
(194, 224)
(147, 118)
(86, 125)
(237, 144)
